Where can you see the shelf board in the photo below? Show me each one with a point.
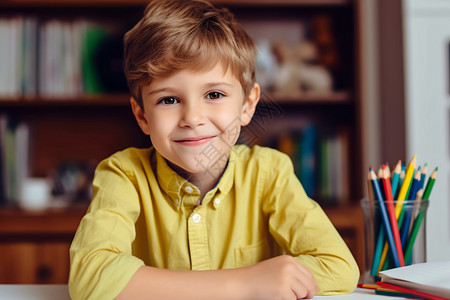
(15, 222)
(310, 98)
(111, 100)
(109, 3)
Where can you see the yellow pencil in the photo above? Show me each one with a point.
(405, 186)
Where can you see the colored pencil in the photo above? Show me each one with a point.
(405, 186)
(378, 252)
(400, 182)
(417, 201)
(367, 286)
(380, 239)
(388, 169)
(430, 184)
(396, 178)
(398, 262)
(409, 210)
(399, 205)
(423, 176)
(418, 220)
(391, 212)
(410, 291)
(380, 180)
(370, 188)
(388, 292)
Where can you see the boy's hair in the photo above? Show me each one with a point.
(175, 35)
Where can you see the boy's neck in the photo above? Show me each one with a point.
(204, 181)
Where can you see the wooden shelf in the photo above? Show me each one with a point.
(311, 98)
(57, 222)
(124, 100)
(41, 3)
(34, 245)
(79, 101)
(58, 225)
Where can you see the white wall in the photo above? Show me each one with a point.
(427, 38)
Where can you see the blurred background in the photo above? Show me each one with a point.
(346, 84)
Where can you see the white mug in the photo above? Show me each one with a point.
(35, 194)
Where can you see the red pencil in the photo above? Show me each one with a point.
(391, 212)
(409, 291)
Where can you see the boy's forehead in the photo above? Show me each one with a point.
(217, 73)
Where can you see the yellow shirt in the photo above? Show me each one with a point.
(142, 212)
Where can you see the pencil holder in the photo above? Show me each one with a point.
(390, 245)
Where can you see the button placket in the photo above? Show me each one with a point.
(198, 240)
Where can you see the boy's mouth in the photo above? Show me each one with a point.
(195, 141)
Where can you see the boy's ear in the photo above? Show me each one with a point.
(250, 103)
(139, 115)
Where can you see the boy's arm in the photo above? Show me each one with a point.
(302, 229)
(101, 262)
(278, 278)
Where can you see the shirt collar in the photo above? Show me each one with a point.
(181, 191)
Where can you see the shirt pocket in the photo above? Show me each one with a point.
(252, 254)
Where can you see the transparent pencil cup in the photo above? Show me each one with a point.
(407, 236)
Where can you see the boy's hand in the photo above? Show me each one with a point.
(281, 277)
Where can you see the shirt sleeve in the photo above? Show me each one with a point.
(101, 260)
(302, 229)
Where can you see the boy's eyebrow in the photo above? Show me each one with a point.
(164, 89)
(212, 84)
(207, 85)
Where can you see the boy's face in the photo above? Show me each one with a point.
(194, 117)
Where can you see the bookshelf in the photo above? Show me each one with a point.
(86, 125)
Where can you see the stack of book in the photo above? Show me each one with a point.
(321, 162)
(424, 281)
(50, 59)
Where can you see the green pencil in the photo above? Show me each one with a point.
(396, 294)
(418, 220)
(430, 183)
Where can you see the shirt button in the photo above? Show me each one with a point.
(196, 218)
(217, 201)
(177, 201)
(188, 189)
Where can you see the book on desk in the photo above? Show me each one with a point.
(429, 280)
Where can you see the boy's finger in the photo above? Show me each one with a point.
(303, 289)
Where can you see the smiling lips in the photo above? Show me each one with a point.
(195, 141)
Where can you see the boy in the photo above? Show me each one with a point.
(194, 216)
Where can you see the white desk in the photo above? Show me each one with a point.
(34, 292)
(60, 292)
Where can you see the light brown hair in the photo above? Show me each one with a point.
(175, 35)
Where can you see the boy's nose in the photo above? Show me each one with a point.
(192, 116)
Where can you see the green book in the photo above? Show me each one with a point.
(93, 37)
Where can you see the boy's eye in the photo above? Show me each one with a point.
(214, 95)
(168, 100)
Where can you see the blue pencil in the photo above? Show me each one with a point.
(385, 218)
(415, 187)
